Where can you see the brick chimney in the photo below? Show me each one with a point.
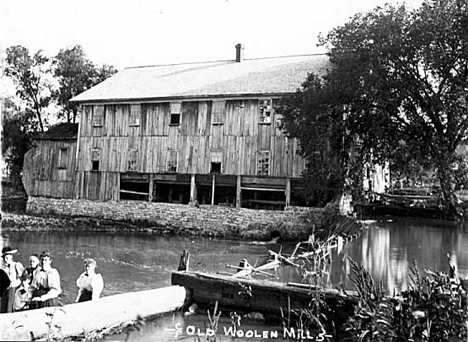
(239, 53)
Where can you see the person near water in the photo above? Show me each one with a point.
(14, 270)
(23, 293)
(46, 284)
(90, 283)
(34, 267)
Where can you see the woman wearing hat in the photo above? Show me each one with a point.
(46, 284)
(90, 283)
(14, 270)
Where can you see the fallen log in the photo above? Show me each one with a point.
(253, 295)
(82, 319)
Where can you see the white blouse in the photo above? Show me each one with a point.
(93, 283)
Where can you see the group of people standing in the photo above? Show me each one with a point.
(38, 285)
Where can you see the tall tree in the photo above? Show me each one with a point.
(18, 128)
(30, 75)
(399, 82)
(75, 74)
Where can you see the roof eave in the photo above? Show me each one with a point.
(180, 97)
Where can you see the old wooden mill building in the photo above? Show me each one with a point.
(204, 133)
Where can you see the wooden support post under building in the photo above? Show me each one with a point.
(150, 190)
(193, 190)
(239, 192)
(288, 192)
(213, 189)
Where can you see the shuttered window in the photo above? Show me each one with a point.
(63, 158)
(132, 161)
(171, 165)
(217, 116)
(135, 115)
(98, 116)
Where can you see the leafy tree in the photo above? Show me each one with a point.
(103, 72)
(399, 83)
(30, 75)
(75, 74)
(18, 128)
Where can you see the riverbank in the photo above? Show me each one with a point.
(176, 220)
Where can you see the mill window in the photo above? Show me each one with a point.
(216, 161)
(263, 163)
(266, 111)
(95, 159)
(171, 165)
(135, 115)
(175, 113)
(132, 159)
(217, 116)
(63, 158)
(98, 116)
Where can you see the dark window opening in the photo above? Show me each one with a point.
(95, 165)
(257, 199)
(175, 119)
(137, 191)
(215, 167)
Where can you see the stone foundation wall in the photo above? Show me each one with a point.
(294, 223)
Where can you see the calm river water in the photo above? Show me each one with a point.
(141, 262)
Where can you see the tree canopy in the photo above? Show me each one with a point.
(42, 82)
(31, 77)
(397, 91)
(75, 74)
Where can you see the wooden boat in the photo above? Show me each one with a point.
(87, 318)
(272, 299)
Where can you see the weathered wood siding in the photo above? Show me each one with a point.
(44, 174)
(238, 136)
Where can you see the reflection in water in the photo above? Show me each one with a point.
(142, 262)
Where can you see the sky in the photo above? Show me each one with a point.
(154, 32)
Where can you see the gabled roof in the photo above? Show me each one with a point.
(60, 131)
(270, 76)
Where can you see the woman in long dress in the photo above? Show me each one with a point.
(14, 270)
(46, 284)
(90, 283)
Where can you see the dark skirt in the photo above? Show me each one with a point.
(8, 300)
(45, 304)
(85, 296)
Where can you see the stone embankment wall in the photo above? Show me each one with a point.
(294, 223)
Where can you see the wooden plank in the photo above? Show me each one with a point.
(75, 320)
(262, 189)
(134, 192)
(278, 182)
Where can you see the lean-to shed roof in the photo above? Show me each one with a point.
(60, 131)
(269, 76)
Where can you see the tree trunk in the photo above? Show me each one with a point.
(445, 175)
